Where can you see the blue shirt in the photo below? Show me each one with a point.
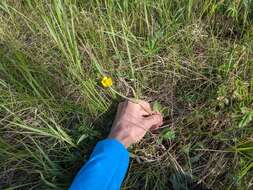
(106, 168)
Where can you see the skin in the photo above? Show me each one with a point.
(132, 122)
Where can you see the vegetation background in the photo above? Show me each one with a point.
(192, 58)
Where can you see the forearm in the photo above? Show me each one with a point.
(105, 169)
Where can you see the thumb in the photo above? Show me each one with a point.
(153, 121)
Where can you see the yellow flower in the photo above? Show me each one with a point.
(106, 81)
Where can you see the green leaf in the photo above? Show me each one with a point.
(166, 134)
(247, 118)
(157, 106)
(84, 136)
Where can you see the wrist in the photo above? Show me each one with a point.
(122, 139)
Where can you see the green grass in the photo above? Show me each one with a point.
(193, 58)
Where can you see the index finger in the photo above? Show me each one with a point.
(145, 106)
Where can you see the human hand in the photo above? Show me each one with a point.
(132, 122)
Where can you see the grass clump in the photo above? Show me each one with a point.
(192, 58)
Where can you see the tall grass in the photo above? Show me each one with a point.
(192, 57)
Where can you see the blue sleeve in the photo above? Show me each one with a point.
(106, 168)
